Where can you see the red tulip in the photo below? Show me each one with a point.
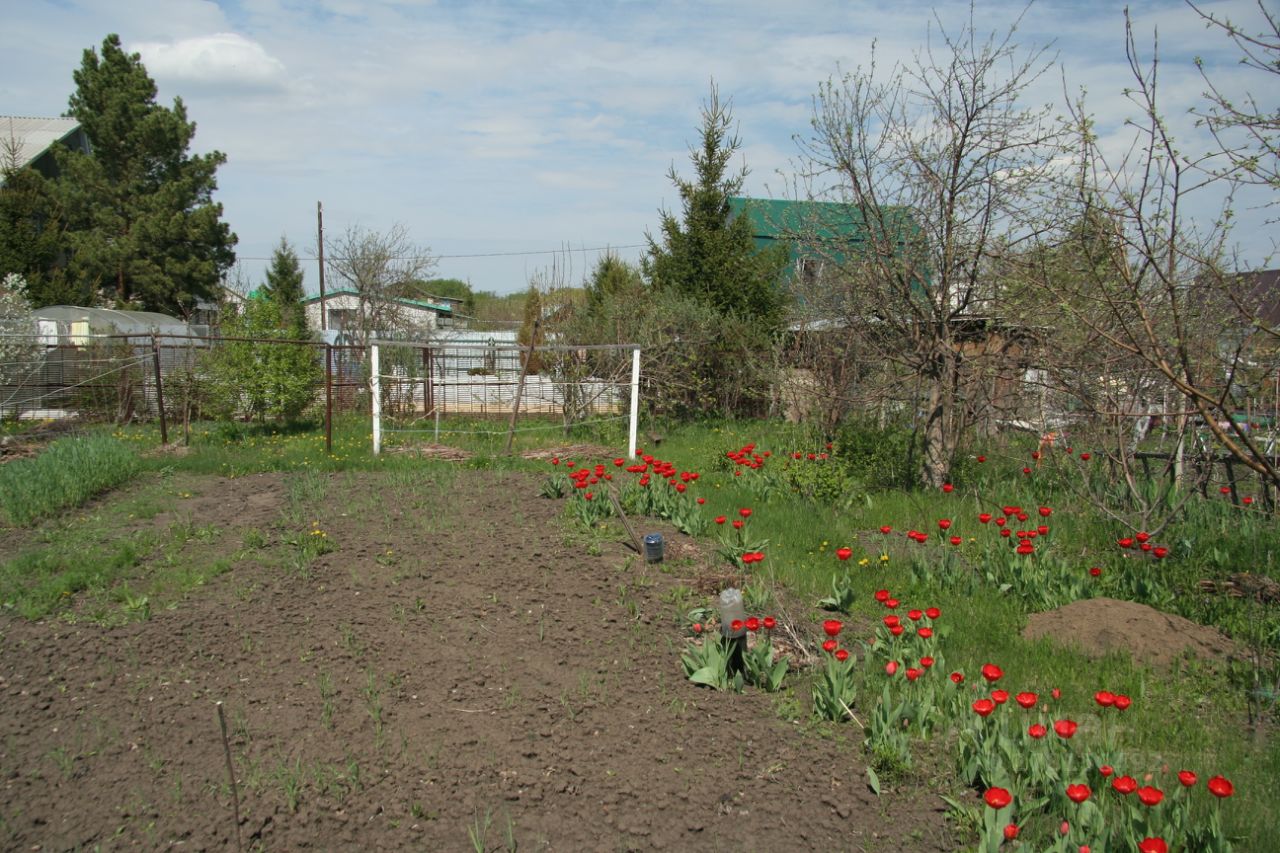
(1160, 552)
(842, 655)
(1006, 532)
(697, 627)
(956, 540)
(1095, 572)
(1106, 770)
(701, 501)
(999, 696)
(832, 627)
(1065, 728)
(1125, 543)
(753, 624)
(1085, 456)
(555, 460)
(884, 528)
(619, 462)
(1026, 470)
(925, 633)
(1045, 512)
(891, 603)
(1035, 454)
(933, 613)
(1153, 845)
(844, 553)
(948, 488)
(891, 667)
(984, 518)
(1011, 832)
(1122, 702)
(915, 615)
(770, 623)
(984, 707)
(991, 672)
(944, 523)
(891, 620)
(1025, 548)
(1055, 693)
(735, 625)
(982, 459)
(1043, 530)
(1026, 700)
(957, 677)
(896, 630)
(1226, 490)
(926, 661)
(720, 519)
(829, 646)
(882, 595)
(1220, 787)
(1104, 698)
(913, 673)
(1037, 731)
(1078, 793)
(1246, 500)
(997, 798)
(1187, 778)
(1142, 536)
(737, 524)
(1150, 796)
(1124, 784)
(744, 512)
(1001, 521)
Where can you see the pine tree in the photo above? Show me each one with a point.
(141, 222)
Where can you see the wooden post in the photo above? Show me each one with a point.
(155, 358)
(328, 398)
(524, 371)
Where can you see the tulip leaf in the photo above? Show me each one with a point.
(710, 676)
(873, 781)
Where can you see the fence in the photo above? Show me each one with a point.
(415, 386)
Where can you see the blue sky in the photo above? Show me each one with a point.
(494, 128)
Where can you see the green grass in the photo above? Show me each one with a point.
(67, 474)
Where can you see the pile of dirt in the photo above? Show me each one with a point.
(572, 451)
(1099, 626)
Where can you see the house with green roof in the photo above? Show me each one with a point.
(818, 233)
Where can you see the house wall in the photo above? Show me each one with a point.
(414, 316)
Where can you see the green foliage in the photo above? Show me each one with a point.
(835, 689)
(139, 212)
(531, 330)
(707, 663)
(67, 474)
(876, 457)
(283, 286)
(262, 378)
(707, 254)
(760, 667)
(612, 279)
(15, 319)
(31, 234)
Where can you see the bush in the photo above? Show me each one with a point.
(877, 457)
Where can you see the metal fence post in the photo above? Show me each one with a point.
(155, 358)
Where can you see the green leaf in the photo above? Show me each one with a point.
(873, 781)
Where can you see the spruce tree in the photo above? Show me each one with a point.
(142, 226)
(284, 286)
(705, 252)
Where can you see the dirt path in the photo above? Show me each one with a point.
(458, 666)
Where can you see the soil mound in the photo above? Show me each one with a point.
(1098, 626)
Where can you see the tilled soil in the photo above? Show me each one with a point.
(461, 672)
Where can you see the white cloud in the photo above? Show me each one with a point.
(221, 60)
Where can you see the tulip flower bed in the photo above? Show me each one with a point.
(1035, 742)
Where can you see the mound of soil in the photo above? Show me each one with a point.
(1098, 626)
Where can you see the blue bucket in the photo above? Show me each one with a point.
(653, 548)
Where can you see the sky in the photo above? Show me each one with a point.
(520, 139)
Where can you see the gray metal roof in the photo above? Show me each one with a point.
(34, 136)
(106, 320)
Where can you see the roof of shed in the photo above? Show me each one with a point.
(32, 136)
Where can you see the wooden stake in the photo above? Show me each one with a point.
(231, 772)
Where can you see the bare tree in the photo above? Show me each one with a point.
(1156, 293)
(1247, 133)
(930, 171)
(377, 267)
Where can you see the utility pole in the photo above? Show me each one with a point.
(320, 247)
